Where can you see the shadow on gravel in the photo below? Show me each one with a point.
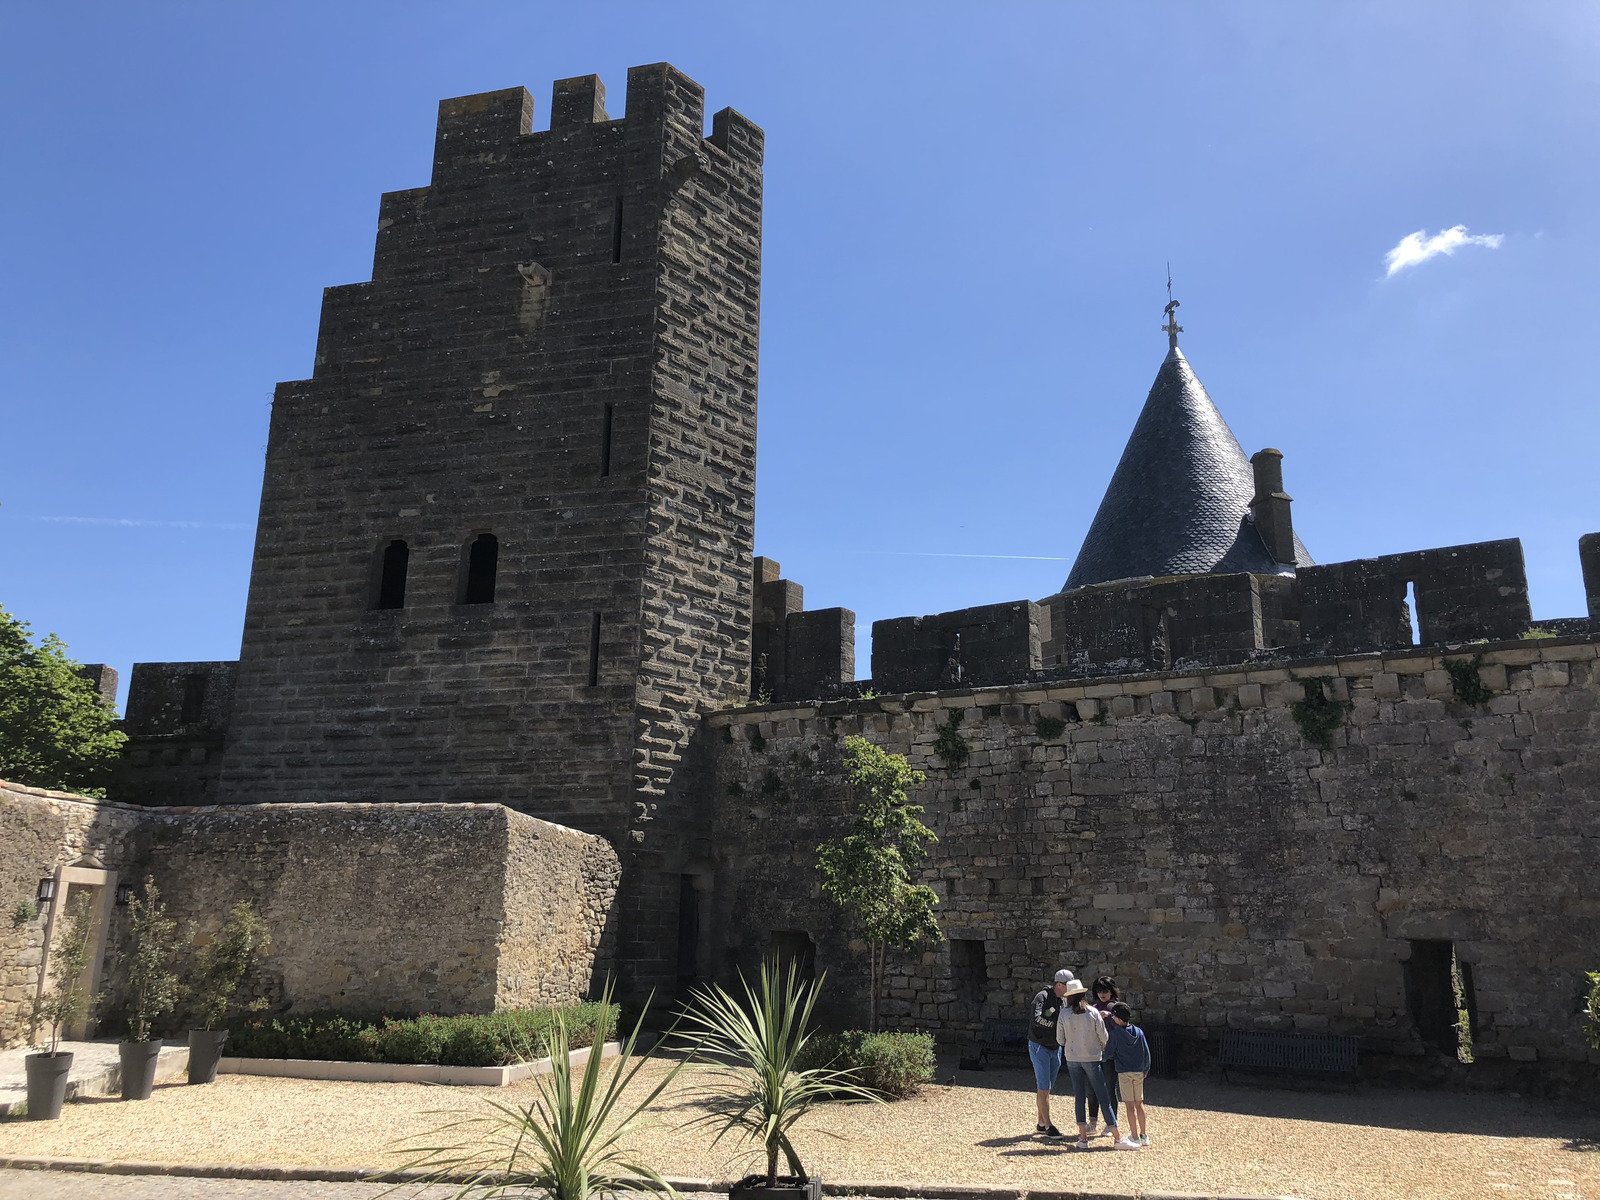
(1477, 1114)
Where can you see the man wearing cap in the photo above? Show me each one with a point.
(1043, 1049)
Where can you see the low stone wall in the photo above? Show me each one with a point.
(1183, 835)
(372, 907)
(40, 830)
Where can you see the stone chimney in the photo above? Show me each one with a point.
(1271, 506)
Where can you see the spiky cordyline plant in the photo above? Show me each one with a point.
(755, 1091)
(564, 1144)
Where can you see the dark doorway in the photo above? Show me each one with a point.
(482, 560)
(688, 931)
(392, 579)
(969, 970)
(1439, 996)
(794, 946)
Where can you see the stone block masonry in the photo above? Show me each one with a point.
(1181, 833)
(505, 544)
(381, 908)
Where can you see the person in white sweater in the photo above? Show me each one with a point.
(1081, 1030)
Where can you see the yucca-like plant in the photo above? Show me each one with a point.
(755, 1091)
(566, 1143)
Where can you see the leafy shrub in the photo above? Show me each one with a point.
(484, 1040)
(895, 1065)
(1049, 728)
(1591, 1011)
(950, 745)
(1465, 681)
(1319, 714)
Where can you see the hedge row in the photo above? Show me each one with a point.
(894, 1065)
(490, 1040)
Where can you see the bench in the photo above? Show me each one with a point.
(1290, 1053)
(1001, 1038)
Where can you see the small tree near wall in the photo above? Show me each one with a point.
(868, 872)
(55, 730)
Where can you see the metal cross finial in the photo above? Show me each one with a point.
(1172, 329)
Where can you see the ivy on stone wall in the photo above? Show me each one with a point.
(950, 745)
(1319, 714)
(1465, 681)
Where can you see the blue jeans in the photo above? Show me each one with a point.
(1046, 1065)
(1086, 1075)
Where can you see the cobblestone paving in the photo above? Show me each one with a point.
(56, 1185)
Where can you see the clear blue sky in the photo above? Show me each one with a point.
(970, 209)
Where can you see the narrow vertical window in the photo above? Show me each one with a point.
(392, 578)
(1411, 612)
(605, 442)
(482, 560)
(594, 651)
(616, 232)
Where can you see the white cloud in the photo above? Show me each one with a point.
(1418, 247)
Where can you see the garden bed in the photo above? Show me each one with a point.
(503, 1039)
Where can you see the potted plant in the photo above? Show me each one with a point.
(757, 1092)
(61, 1003)
(223, 964)
(152, 988)
(566, 1141)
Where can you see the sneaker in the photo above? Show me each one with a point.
(1049, 1131)
(1127, 1143)
(1083, 1143)
(1094, 1130)
(1144, 1140)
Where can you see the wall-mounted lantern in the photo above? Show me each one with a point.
(124, 893)
(47, 890)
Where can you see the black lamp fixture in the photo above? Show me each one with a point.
(47, 890)
(124, 893)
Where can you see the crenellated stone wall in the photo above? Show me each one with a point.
(373, 908)
(1181, 833)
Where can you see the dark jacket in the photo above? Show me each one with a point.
(1042, 1025)
(1127, 1048)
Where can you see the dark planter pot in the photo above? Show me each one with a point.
(138, 1068)
(205, 1047)
(47, 1084)
(754, 1187)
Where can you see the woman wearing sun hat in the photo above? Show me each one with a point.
(1081, 1030)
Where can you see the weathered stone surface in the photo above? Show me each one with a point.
(372, 908)
(1223, 869)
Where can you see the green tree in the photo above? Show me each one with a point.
(152, 977)
(868, 871)
(1591, 1011)
(64, 999)
(226, 960)
(55, 730)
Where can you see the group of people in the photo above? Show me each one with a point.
(1105, 1053)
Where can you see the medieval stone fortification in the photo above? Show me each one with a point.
(505, 562)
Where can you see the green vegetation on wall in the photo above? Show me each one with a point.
(1319, 714)
(1465, 681)
(950, 745)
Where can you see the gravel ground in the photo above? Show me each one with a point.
(1207, 1137)
(59, 1185)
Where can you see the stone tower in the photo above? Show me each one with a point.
(504, 551)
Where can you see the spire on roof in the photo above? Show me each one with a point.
(1179, 500)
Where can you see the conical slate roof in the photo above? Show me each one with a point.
(1179, 501)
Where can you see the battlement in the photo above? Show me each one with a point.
(664, 106)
